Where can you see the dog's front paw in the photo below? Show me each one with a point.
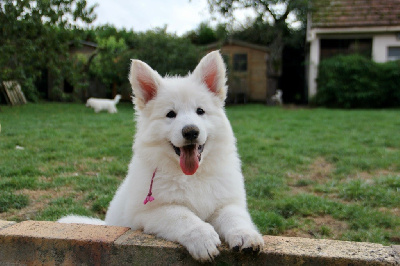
(245, 240)
(202, 242)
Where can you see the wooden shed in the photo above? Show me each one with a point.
(247, 70)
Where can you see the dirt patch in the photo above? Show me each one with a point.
(318, 171)
(297, 232)
(336, 226)
(319, 227)
(38, 200)
(393, 211)
(391, 149)
(374, 174)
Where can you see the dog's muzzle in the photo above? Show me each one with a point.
(190, 154)
(200, 149)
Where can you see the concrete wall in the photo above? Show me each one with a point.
(50, 243)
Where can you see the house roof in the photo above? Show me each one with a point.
(355, 13)
(218, 45)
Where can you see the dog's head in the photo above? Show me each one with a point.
(180, 116)
(89, 102)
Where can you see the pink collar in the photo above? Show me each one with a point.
(149, 195)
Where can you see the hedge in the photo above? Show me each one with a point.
(353, 81)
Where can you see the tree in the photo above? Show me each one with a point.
(166, 53)
(275, 13)
(35, 36)
(205, 34)
(169, 54)
(108, 66)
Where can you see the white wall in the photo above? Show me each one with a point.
(380, 44)
(313, 67)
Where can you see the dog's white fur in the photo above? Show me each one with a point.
(103, 104)
(194, 210)
(277, 97)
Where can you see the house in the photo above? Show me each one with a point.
(247, 70)
(46, 84)
(367, 27)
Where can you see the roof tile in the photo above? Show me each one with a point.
(355, 13)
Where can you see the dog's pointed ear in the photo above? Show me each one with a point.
(145, 82)
(212, 72)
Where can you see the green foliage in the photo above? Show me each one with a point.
(277, 9)
(205, 34)
(108, 66)
(166, 53)
(35, 36)
(257, 32)
(354, 81)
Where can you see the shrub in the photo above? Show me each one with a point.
(354, 81)
(166, 53)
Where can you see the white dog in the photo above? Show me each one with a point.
(184, 182)
(277, 97)
(103, 104)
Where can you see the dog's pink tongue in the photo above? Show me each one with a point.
(189, 159)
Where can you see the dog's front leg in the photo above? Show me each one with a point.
(178, 223)
(234, 225)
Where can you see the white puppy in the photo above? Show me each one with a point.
(277, 97)
(184, 182)
(103, 104)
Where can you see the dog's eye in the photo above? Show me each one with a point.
(171, 114)
(200, 111)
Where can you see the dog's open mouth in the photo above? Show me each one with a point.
(190, 157)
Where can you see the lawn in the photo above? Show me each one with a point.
(315, 173)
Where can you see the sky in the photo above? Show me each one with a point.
(180, 16)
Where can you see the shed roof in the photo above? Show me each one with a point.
(355, 13)
(218, 45)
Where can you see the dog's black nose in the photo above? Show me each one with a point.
(190, 132)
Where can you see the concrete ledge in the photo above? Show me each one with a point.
(50, 243)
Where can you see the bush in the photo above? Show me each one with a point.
(164, 52)
(354, 81)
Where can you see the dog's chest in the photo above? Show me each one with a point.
(202, 196)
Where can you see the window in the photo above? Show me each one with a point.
(393, 53)
(333, 47)
(240, 62)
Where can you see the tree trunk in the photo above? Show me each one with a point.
(274, 64)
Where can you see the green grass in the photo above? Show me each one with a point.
(309, 172)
